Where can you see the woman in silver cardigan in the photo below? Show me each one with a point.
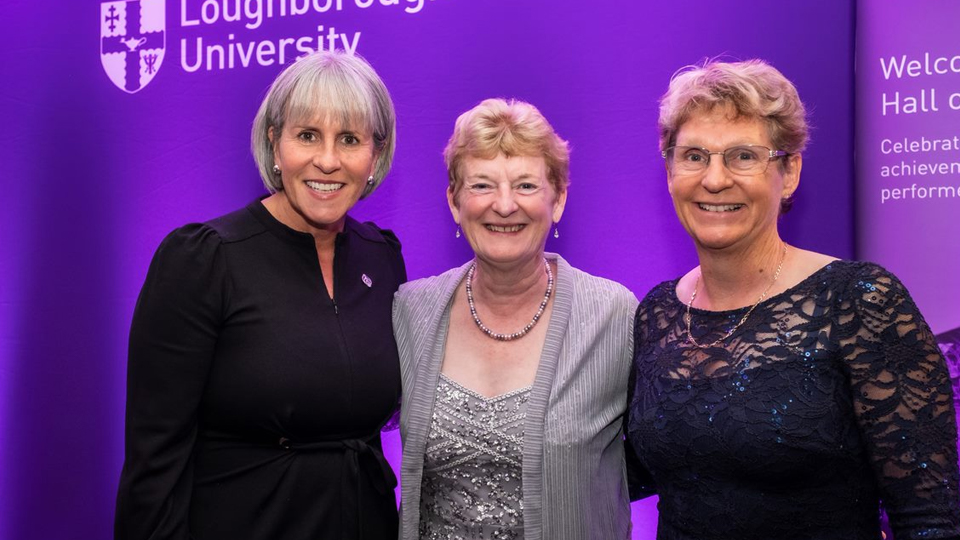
(514, 365)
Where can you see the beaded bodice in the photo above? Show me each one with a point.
(831, 396)
(472, 485)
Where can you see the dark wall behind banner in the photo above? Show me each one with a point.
(95, 177)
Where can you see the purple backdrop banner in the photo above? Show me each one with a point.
(908, 156)
(132, 118)
(908, 149)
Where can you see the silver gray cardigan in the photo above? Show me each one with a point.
(574, 480)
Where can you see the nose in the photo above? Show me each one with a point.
(717, 177)
(327, 158)
(505, 203)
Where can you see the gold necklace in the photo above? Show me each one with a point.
(696, 289)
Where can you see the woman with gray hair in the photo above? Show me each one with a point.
(262, 364)
(515, 364)
(777, 392)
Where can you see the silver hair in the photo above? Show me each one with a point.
(328, 85)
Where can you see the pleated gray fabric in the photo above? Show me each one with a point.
(574, 480)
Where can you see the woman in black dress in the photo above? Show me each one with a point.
(777, 392)
(262, 364)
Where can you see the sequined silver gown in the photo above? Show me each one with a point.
(472, 485)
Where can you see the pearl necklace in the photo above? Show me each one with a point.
(516, 335)
(696, 289)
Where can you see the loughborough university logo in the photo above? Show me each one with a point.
(132, 41)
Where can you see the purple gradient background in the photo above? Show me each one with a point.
(96, 178)
(919, 240)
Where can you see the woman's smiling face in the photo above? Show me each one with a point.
(324, 168)
(720, 208)
(506, 206)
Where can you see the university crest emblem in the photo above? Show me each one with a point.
(132, 41)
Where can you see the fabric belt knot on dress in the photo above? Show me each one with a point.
(357, 452)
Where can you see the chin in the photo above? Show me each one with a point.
(495, 257)
(504, 257)
(715, 243)
(325, 219)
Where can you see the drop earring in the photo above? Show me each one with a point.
(556, 231)
(458, 231)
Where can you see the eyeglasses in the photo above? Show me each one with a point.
(749, 159)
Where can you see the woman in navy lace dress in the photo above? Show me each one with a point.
(778, 392)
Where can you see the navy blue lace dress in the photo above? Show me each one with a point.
(832, 396)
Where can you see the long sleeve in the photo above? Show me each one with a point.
(400, 268)
(904, 405)
(172, 341)
(639, 479)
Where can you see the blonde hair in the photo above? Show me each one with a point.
(508, 127)
(753, 89)
(329, 85)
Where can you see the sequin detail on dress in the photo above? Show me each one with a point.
(471, 485)
(831, 396)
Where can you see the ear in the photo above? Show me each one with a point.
(376, 158)
(454, 205)
(791, 178)
(271, 134)
(559, 205)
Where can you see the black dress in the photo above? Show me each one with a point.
(831, 396)
(254, 400)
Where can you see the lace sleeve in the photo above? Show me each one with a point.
(639, 480)
(904, 405)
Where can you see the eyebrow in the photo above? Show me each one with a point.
(485, 176)
(732, 145)
(314, 123)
